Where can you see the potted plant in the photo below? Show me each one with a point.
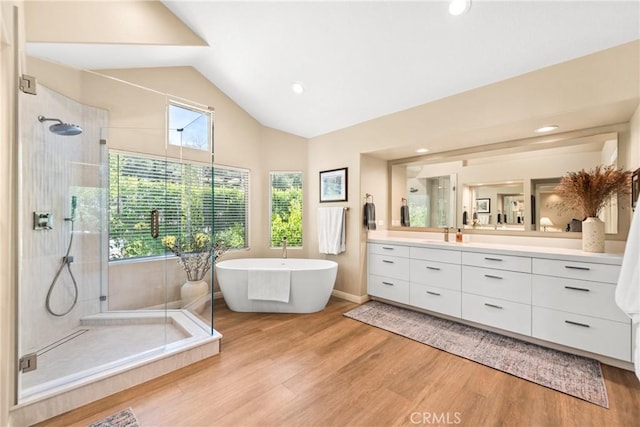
(195, 255)
(588, 192)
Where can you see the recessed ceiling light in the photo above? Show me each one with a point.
(297, 87)
(422, 150)
(547, 128)
(458, 7)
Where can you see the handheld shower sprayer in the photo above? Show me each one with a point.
(66, 262)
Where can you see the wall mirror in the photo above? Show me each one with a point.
(506, 187)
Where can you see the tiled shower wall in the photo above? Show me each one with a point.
(53, 168)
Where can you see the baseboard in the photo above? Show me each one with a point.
(217, 295)
(350, 297)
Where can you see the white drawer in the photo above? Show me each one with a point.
(388, 288)
(508, 315)
(577, 296)
(577, 270)
(502, 262)
(391, 250)
(506, 285)
(435, 273)
(389, 266)
(436, 299)
(440, 255)
(599, 336)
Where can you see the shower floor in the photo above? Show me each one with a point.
(106, 341)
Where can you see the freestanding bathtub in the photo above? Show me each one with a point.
(312, 281)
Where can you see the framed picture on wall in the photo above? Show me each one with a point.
(635, 188)
(483, 205)
(333, 185)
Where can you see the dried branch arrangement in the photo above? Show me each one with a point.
(589, 191)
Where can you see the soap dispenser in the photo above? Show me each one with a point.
(459, 236)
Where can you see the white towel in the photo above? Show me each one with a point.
(331, 230)
(273, 284)
(628, 289)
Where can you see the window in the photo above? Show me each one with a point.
(286, 208)
(231, 206)
(189, 127)
(182, 193)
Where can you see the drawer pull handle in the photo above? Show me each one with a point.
(387, 261)
(491, 276)
(574, 267)
(433, 293)
(492, 259)
(584, 325)
(573, 288)
(388, 248)
(433, 268)
(492, 305)
(387, 283)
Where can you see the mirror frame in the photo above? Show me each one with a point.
(564, 139)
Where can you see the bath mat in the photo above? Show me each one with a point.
(124, 418)
(576, 376)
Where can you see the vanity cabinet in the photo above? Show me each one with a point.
(567, 298)
(435, 280)
(388, 272)
(573, 304)
(496, 291)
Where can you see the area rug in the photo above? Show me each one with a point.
(577, 376)
(124, 418)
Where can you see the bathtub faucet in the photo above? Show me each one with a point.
(284, 247)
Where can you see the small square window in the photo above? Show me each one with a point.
(189, 127)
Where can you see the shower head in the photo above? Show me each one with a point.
(61, 128)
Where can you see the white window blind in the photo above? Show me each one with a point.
(286, 208)
(184, 197)
(231, 206)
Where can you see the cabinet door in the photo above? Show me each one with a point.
(507, 315)
(388, 288)
(498, 261)
(440, 300)
(507, 285)
(389, 250)
(577, 270)
(577, 296)
(389, 266)
(599, 336)
(433, 273)
(439, 255)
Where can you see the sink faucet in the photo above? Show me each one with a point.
(446, 234)
(284, 247)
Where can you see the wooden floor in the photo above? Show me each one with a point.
(324, 369)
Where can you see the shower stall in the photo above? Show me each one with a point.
(91, 323)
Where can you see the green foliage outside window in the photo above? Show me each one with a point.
(184, 196)
(286, 208)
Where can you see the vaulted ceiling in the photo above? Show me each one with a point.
(356, 60)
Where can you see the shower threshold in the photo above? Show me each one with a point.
(110, 352)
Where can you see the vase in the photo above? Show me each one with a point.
(193, 289)
(593, 235)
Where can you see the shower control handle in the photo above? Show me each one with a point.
(155, 223)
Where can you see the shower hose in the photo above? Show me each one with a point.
(66, 261)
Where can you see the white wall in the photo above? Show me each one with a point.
(490, 114)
